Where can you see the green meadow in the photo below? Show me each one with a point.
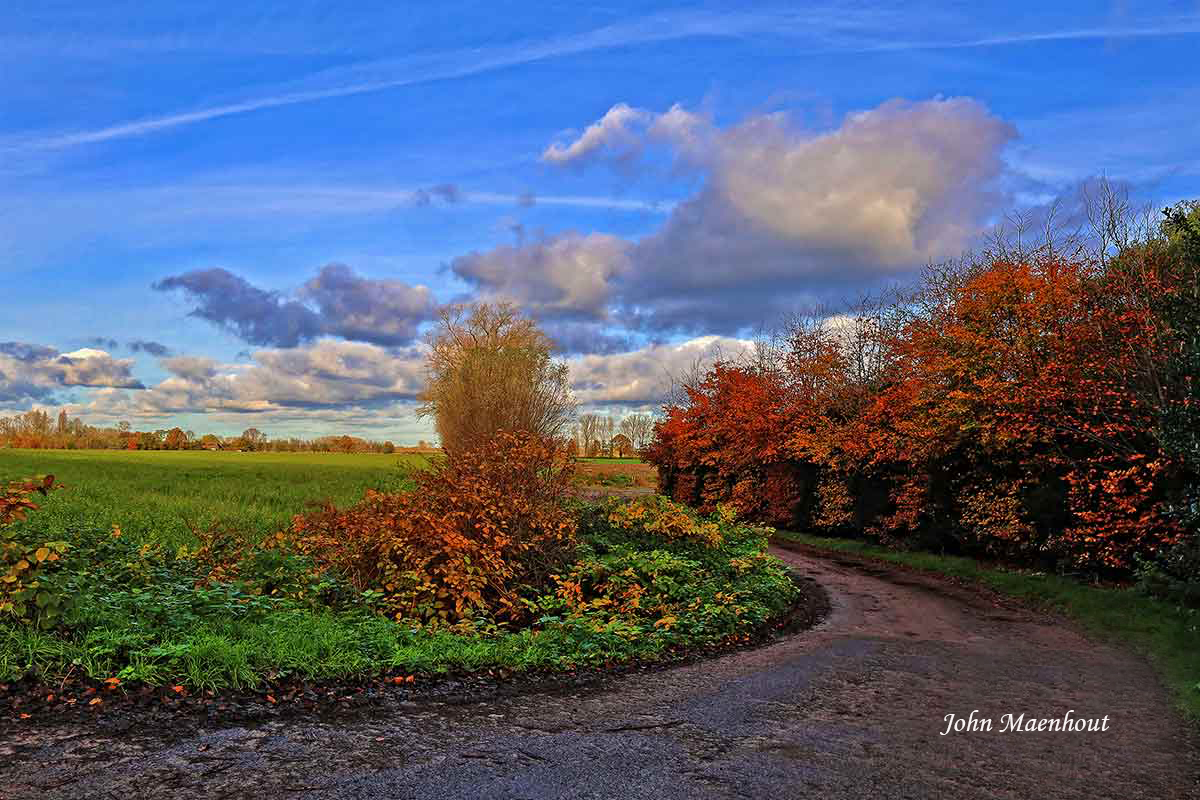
(161, 495)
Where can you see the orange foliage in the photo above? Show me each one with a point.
(475, 529)
(1009, 407)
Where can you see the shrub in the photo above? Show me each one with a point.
(668, 573)
(659, 516)
(490, 369)
(28, 589)
(460, 546)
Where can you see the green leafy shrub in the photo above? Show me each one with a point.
(29, 587)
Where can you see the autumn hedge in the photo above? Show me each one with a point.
(1031, 405)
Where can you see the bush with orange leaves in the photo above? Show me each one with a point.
(462, 546)
(1029, 406)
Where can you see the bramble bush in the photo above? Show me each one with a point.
(658, 575)
(29, 590)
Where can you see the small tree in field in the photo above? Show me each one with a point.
(490, 369)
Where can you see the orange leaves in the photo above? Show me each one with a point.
(474, 529)
(1008, 406)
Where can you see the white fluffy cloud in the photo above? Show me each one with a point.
(622, 134)
(329, 374)
(335, 384)
(568, 275)
(901, 183)
(785, 217)
(643, 377)
(31, 373)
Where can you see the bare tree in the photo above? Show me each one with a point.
(607, 427)
(639, 428)
(590, 427)
(491, 369)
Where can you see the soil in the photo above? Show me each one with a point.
(853, 708)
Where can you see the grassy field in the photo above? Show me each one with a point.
(157, 494)
(1169, 635)
(130, 612)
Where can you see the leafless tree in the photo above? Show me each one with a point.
(639, 428)
(590, 426)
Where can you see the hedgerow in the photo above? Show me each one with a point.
(1029, 406)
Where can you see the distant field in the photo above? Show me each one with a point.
(606, 460)
(157, 493)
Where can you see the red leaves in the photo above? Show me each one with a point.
(1009, 406)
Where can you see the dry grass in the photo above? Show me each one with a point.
(608, 474)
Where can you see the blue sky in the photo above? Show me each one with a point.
(643, 178)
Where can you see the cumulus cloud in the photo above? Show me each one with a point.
(623, 133)
(333, 380)
(643, 377)
(380, 311)
(347, 305)
(568, 275)
(785, 217)
(254, 315)
(571, 336)
(328, 375)
(34, 373)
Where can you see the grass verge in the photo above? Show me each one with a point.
(647, 582)
(1166, 633)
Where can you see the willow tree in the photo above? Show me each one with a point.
(492, 369)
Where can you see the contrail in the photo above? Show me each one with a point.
(457, 64)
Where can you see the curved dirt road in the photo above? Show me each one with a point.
(851, 709)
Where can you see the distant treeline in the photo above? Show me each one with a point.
(40, 430)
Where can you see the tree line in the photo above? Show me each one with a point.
(40, 430)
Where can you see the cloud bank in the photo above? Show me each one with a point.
(785, 217)
(35, 373)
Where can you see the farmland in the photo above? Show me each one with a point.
(189, 568)
(160, 495)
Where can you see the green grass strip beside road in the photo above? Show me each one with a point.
(1168, 634)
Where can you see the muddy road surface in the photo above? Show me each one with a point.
(854, 708)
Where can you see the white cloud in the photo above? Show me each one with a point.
(31, 373)
(621, 136)
(330, 374)
(643, 377)
(785, 218)
(570, 274)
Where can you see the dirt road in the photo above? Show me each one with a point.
(851, 709)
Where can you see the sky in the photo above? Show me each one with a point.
(248, 216)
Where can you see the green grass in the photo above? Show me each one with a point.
(147, 614)
(156, 494)
(1168, 634)
(312, 645)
